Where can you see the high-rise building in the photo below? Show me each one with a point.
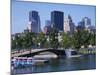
(66, 25)
(84, 23)
(69, 26)
(57, 20)
(47, 23)
(47, 29)
(87, 21)
(34, 22)
(81, 25)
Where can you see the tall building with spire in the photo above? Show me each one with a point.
(69, 26)
(66, 25)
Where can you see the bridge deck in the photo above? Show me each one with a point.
(15, 54)
(21, 53)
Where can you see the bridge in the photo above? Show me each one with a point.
(33, 52)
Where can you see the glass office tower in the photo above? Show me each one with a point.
(57, 20)
(34, 21)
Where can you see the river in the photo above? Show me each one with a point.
(85, 62)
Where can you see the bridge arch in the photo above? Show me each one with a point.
(59, 53)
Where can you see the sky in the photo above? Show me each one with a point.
(20, 13)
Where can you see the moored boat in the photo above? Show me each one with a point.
(27, 61)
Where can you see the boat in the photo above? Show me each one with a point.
(27, 61)
(70, 53)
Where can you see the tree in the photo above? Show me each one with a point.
(53, 38)
(17, 42)
(46, 44)
(28, 39)
(82, 38)
(41, 39)
(13, 42)
(92, 39)
(66, 41)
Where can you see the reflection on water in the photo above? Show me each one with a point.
(64, 64)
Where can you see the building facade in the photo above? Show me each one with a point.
(34, 24)
(47, 23)
(69, 26)
(57, 20)
(47, 29)
(84, 23)
(66, 26)
(87, 21)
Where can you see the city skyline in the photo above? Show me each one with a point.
(20, 18)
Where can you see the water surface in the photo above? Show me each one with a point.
(64, 64)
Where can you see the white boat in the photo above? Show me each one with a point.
(71, 53)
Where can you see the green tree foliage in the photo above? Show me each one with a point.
(53, 38)
(13, 44)
(66, 41)
(92, 39)
(83, 38)
(22, 41)
(41, 39)
(79, 38)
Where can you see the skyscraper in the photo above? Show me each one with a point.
(47, 23)
(81, 25)
(57, 20)
(69, 26)
(34, 21)
(84, 23)
(47, 27)
(66, 25)
(87, 21)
